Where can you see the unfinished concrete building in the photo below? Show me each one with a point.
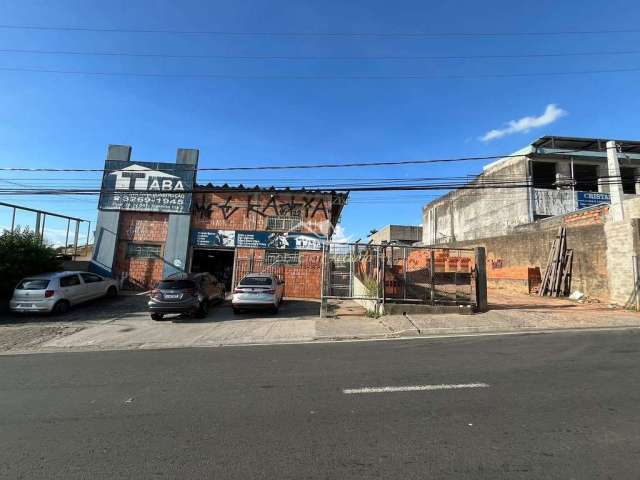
(551, 176)
(397, 235)
(579, 183)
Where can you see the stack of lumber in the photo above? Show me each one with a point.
(557, 277)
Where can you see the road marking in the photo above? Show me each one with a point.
(414, 388)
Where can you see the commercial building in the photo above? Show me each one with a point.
(397, 235)
(154, 220)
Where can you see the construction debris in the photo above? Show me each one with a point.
(557, 277)
(577, 295)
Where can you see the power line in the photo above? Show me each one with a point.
(314, 57)
(223, 76)
(86, 28)
(476, 185)
(294, 167)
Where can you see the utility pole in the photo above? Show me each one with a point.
(616, 211)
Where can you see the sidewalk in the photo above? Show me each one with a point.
(298, 321)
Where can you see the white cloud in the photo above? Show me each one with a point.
(524, 124)
(340, 235)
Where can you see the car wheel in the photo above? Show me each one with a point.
(156, 316)
(112, 291)
(203, 310)
(61, 307)
(236, 311)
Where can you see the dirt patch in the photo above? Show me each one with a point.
(29, 337)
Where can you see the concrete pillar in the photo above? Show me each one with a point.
(636, 173)
(563, 174)
(616, 211)
(481, 279)
(622, 247)
(603, 172)
(106, 235)
(119, 152)
(176, 247)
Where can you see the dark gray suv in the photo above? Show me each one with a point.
(187, 294)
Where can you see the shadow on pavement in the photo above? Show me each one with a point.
(289, 310)
(96, 310)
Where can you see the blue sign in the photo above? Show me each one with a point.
(147, 187)
(270, 240)
(590, 199)
(213, 238)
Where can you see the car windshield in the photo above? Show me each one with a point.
(176, 284)
(33, 284)
(263, 281)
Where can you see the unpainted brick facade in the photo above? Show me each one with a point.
(240, 211)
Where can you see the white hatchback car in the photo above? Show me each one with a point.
(258, 290)
(57, 292)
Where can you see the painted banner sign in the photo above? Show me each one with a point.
(590, 199)
(271, 240)
(147, 187)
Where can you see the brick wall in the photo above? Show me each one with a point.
(301, 281)
(529, 248)
(141, 227)
(250, 211)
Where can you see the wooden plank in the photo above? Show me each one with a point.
(559, 264)
(556, 266)
(568, 270)
(547, 272)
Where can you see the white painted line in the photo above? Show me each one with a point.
(414, 388)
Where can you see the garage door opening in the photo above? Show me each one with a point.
(216, 262)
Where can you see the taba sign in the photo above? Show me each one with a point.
(590, 199)
(268, 240)
(147, 187)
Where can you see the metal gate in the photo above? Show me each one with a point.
(377, 274)
(429, 275)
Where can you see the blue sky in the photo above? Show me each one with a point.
(61, 120)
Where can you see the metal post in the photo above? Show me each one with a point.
(323, 299)
(37, 223)
(481, 279)
(66, 238)
(404, 269)
(351, 270)
(44, 219)
(432, 267)
(636, 282)
(380, 264)
(86, 248)
(75, 240)
(13, 219)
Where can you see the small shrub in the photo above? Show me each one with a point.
(22, 254)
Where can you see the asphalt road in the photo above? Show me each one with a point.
(563, 406)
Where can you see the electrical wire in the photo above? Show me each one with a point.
(225, 76)
(295, 167)
(315, 57)
(86, 28)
